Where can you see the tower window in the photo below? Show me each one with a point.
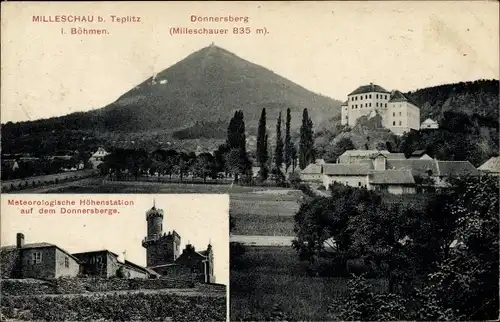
(394, 123)
(376, 95)
(393, 113)
(399, 113)
(399, 122)
(385, 104)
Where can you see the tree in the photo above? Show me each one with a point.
(262, 149)
(237, 159)
(278, 154)
(344, 144)
(288, 141)
(204, 166)
(306, 147)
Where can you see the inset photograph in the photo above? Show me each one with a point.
(114, 258)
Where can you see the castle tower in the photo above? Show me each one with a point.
(161, 248)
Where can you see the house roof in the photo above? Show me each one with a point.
(38, 245)
(368, 89)
(418, 153)
(339, 169)
(372, 153)
(391, 177)
(312, 169)
(96, 251)
(397, 96)
(344, 104)
(127, 263)
(454, 168)
(492, 165)
(429, 121)
(420, 167)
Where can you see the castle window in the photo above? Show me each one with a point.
(393, 113)
(370, 95)
(36, 257)
(370, 104)
(359, 183)
(376, 104)
(66, 262)
(394, 123)
(399, 122)
(385, 104)
(376, 95)
(399, 113)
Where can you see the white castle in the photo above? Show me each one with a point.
(399, 114)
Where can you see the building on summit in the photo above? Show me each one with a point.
(399, 113)
(163, 252)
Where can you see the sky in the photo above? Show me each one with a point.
(203, 221)
(330, 48)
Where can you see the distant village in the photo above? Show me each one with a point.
(43, 260)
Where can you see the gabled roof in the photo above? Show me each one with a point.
(456, 168)
(391, 177)
(368, 89)
(37, 245)
(492, 165)
(143, 269)
(418, 153)
(372, 153)
(96, 251)
(312, 169)
(429, 121)
(340, 169)
(397, 96)
(418, 167)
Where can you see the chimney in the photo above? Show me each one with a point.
(20, 240)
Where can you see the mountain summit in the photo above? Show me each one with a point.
(208, 86)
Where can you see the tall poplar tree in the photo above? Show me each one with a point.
(306, 147)
(288, 141)
(262, 153)
(278, 155)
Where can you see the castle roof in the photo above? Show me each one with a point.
(397, 96)
(368, 89)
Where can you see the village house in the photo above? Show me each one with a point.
(37, 260)
(429, 124)
(390, 172)
(399, 113)
(101, 263)
(163, 252)
(98, 157)
(420, 154)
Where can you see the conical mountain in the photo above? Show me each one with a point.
(208, 86)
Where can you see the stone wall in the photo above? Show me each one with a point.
(85, 285)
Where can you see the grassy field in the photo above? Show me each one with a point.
(271, 225)
(273, 284)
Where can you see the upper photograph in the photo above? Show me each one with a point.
(215, 102)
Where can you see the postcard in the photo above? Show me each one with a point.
(250, 161)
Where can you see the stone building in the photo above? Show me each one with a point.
(163, 252)
(399, 113)
(37, 260)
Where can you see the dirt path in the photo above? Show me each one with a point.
(263, 240)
